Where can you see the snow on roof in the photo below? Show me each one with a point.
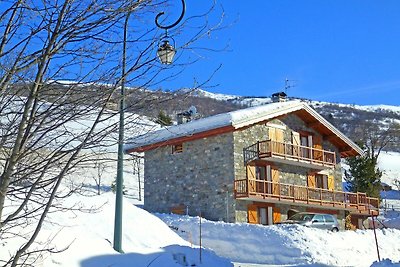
(236, 119)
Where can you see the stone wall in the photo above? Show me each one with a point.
(200, 178)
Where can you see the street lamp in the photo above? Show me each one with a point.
(165, 53)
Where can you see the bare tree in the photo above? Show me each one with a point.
(98, 179)
(364, 174)
(50, 127)
(137, 168)
(377, 136)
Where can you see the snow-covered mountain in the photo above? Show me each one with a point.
(349, 118)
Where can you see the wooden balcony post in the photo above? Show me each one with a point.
(258, 149)
(320, 195)
(264, 191)
(294, 194)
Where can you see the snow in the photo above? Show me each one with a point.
(234, 118)
(371, 108)
(255, 101)
(88, 236)
(388, 162)
(83, 234)
(165, 239)
(288, 244)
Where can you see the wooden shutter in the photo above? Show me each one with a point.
(251, 176)
(275, 181)
(277, 215)
(276, 135)
(331, 182)
(252, 213)
(317, 144)
(296, 143)
(311, 180)
(251, 172)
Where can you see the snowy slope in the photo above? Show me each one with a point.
(254, 101)
(389, 163)
(84, 238)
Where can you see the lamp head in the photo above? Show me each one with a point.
(166, 52)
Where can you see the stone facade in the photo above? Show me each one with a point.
(201, 177)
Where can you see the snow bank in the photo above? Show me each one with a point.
(83, 233)
(288, 244)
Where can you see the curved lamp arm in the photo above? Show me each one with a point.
(173, 24)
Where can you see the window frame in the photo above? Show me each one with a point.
(177, 148)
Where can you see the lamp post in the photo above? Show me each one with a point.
(120, 161)
(165, 53)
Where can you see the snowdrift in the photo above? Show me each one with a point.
(289, 244)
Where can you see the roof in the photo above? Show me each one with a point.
(231, 121)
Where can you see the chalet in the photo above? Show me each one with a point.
(254, 165)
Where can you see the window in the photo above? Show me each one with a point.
(329, 218)
(261, 173)
(318, 218)
(178, 148)
(321, 181)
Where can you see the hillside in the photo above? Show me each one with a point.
(349, 118)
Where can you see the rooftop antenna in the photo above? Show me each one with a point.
(288, 84)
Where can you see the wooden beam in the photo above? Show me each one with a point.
(329, 137)
(314, 124)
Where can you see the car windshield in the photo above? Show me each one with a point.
(301, 217)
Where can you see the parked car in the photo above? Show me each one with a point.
(315, 220)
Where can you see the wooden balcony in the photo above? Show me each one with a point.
(264, 191)
(289, 153)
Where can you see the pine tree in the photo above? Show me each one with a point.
(364, 175)
(164, 119)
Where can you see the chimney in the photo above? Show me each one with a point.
(186, 116)
(183, 117)
(279, 97)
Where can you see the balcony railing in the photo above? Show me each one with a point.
(260, 190)
(289, 152)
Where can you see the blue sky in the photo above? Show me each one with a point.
(337, 51)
